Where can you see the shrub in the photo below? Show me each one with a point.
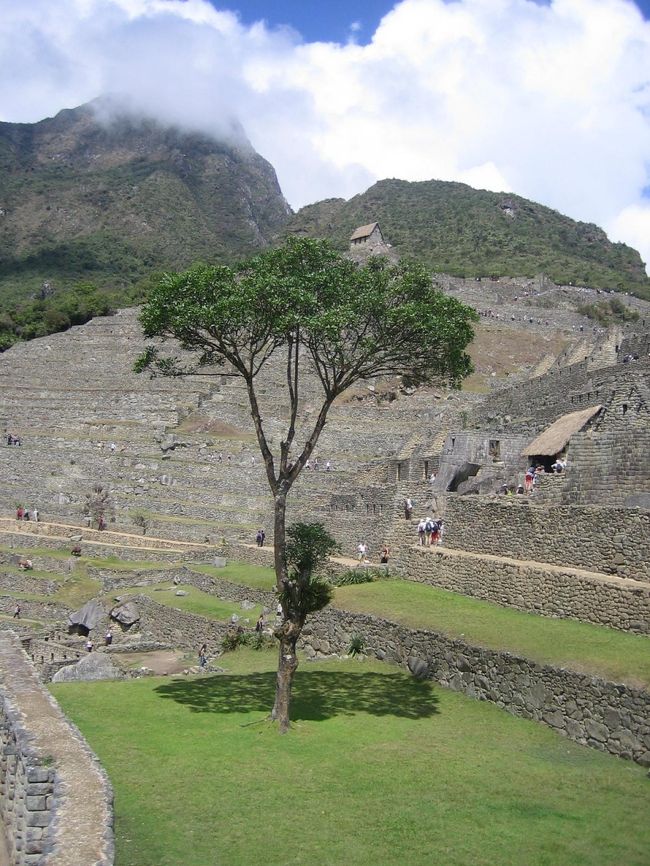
(357, 645)
(355, 575)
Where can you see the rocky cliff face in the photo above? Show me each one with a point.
(101, 193)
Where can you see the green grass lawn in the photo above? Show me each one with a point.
(378, 770)
(255, 576)
(196, 601)
(561, 642)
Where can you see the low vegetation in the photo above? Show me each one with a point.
(580, 646)
(385, 769)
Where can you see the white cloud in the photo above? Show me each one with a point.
(549, 101)
(632, 226)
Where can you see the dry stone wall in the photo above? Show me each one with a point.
(550, 591)
(55, 800)
(601, 539)
(608, 716)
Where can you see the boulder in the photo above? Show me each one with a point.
(418, 667)
(94, 666)
(180, 592)
(127, 613)
(89, 615)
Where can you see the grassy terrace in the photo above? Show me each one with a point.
(255, 576)
(201, 603)
(378, 769)
(561, 642)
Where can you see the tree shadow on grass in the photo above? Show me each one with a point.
(317, 695)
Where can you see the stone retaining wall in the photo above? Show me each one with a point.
(606, 540)
(178, 628)
(55, 800)
(594, 712)
(561, 592)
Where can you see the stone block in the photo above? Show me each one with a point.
(38, 774)
(35, 804)
(38, 819)
(34, 789)
(597, 730)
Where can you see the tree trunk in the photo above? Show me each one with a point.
(288, 631)
(287, 664)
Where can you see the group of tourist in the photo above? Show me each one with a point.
(26, 514)
(260, 537)
(363, 553)
(14, 440)
(430, 531)
(531, 478)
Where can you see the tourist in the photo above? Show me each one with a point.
(422, 532)
(408, 508)
(35, 515)
(89, 645)
(108, 637)
(432, 478)
(428, 529)
(307, 464)
(113, 446)
(259, 625)
(25, 565)
(316, 466)
(385, 553)
(529, 479)
(328, 466)
(17, 612)
(20, 511)
(258, 538)
(441, 530)
(203, 655)
(26, 514)
(101, 523)
(362, 551)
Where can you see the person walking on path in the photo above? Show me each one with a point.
(385, 553)
(203, 655)
(17, 612)
(408, 508)
(422, 532)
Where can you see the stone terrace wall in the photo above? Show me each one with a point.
(538, 402)
(55, 800)
(561, 592)
(601, 539)
(178, 628)
(607, 716)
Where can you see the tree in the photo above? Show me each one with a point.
(325, 317)
(140, 518)
(98, 505)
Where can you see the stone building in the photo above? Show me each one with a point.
(368, 240)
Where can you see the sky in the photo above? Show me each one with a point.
(549, 99)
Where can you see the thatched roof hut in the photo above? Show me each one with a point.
(554, 439)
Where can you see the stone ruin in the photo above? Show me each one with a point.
(184, 452)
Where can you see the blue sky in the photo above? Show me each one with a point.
(327, 20)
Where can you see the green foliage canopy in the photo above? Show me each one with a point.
(352, 322)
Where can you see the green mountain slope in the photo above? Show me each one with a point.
(109, 202)
(459, 230)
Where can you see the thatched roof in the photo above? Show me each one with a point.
(363, 231)
(552, 440)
